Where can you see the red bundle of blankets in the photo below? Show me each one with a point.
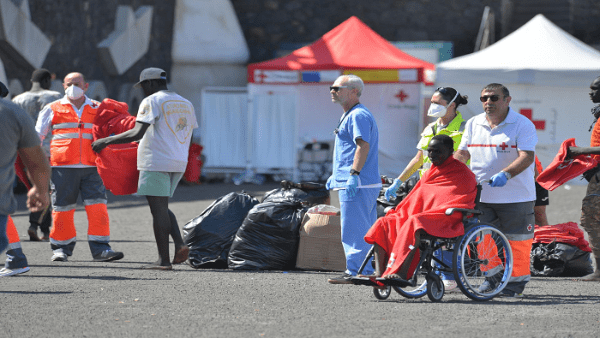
(567, 233)
(117, 163)
(450, 185)
(562, 169)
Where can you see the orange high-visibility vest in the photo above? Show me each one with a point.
(595, 140)
(72, 137)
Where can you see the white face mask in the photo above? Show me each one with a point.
(437, 110)
(74, 92)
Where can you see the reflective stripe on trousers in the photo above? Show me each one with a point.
(14, 242)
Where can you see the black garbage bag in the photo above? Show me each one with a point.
(383, 205)
(309, 192)
(559, 260)
(210, 234)
(268, 238)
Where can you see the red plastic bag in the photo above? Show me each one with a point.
(194, 166)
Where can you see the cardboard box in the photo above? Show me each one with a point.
(320, 245)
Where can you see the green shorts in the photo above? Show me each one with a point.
(158, 183)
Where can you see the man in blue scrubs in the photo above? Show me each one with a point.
(355, 172)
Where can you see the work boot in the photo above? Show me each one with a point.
(32, 232)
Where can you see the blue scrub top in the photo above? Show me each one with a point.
(358, 123)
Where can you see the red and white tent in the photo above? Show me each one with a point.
(350, 46)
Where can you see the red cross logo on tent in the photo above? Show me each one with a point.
(401, 95)
(539, 124)
(260, 76)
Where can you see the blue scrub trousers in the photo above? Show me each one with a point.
(358, 213)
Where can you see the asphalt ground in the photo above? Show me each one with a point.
(82, 298)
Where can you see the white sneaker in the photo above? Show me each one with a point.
(8, 272)
(450, 285)
(59, 256)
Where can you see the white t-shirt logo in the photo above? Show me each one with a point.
(176, 116)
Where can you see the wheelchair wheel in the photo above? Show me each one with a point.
(435, 287)
(482, 262)
(382, 293)
(412, 291)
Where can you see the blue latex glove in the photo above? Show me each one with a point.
(392, 189)
(328, 184)
(352, 185)
(499, 180)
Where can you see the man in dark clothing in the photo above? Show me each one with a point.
(32, 102)
(590, 206)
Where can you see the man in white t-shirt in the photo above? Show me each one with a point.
(164, 124)
(501, 146)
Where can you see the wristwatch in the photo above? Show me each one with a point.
(507, 174)
(354, 172)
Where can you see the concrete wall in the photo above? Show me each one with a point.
(75, 28)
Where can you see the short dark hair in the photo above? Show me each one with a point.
(445, 140)
(496, 86)
(40, 75)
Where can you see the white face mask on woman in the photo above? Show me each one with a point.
(437, 110)
(73, 92)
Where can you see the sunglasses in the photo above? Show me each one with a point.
(442, 90)
(336, 88)
(494, 98)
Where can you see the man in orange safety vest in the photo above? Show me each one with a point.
(74, 172)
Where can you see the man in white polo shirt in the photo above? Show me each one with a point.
(501, 146)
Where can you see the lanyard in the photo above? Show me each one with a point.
(337, 130)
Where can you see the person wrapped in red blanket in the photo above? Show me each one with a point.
(449, 184)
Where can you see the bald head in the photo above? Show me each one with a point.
(75, 95)
(76, 79)
(74, 75)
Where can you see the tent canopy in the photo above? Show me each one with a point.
(352, 45)
(539, 52)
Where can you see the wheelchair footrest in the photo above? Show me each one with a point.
(378, 281)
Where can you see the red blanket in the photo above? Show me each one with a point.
(450, 185)
(117, 163)
(561, 170)
(568, 233)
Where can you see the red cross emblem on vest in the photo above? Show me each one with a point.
(503, 146)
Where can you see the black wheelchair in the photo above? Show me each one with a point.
(482, 263)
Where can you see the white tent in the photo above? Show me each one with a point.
(548, 73)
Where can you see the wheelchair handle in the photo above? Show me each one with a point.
(465, 212)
